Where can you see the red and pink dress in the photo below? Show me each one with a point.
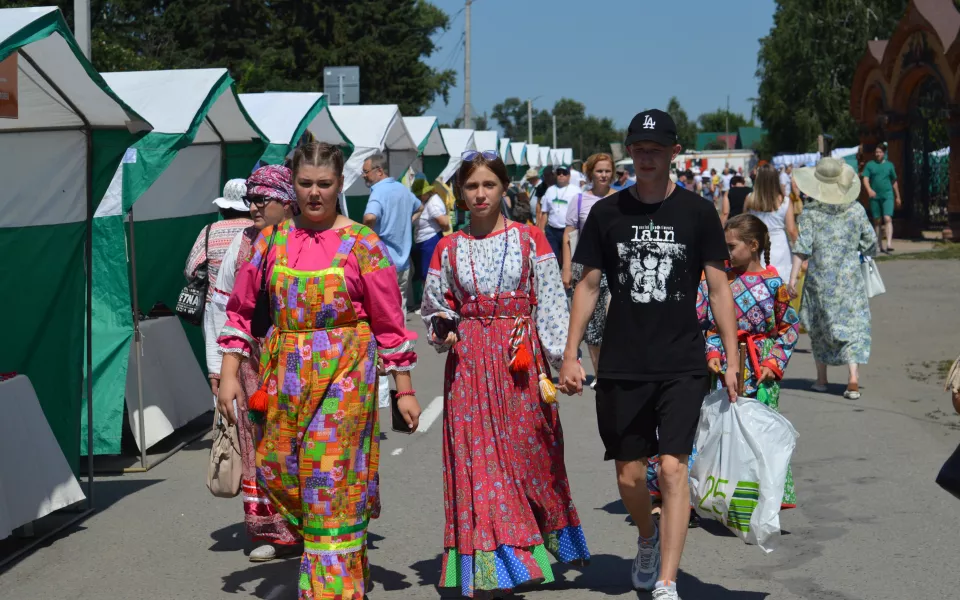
(507, 499)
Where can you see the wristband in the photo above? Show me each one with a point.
(407, 393)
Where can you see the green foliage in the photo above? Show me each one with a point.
(586, 134)
(686, 129)
(723, 120)
(277, 45)
(480, 123)
(806, 67)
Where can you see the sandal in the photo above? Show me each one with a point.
(852, 392)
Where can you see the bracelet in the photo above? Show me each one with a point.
(407, 393)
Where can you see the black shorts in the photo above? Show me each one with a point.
(632, 415)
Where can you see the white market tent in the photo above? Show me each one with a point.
(533, 156)
(564, 156)
(372, 129)
(62, 134)
(432, 154)
(285, 117)
(518, 156)
(457, 142)
(546, 158)
(160, 199)
(505, 154)
(487, 140)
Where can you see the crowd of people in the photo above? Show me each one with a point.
(307, 311)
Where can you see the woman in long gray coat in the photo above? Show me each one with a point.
(834, 233)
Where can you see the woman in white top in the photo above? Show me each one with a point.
(430, 222)
(768, 204)
(599, 171)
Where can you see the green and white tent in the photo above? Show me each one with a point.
(432, 153)
(518, 154)
(59, 153)
(457, 141)
(372, 129)
(505, 152)
(165, 187)
(564, 157)
(487, 140)
(285, 117)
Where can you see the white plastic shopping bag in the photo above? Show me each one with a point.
(744, 449)
(871, 277)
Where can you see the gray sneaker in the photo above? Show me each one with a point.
(665, 593)
(646, 566)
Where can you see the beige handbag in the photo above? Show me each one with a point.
(223, 472)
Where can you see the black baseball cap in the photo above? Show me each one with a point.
(652, 126)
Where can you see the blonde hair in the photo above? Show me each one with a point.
(766, 190)
(592, 162)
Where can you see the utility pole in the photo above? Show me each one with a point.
(554, 130)
(81, 25)
(726, 138)
(529, 121)
(467, 119)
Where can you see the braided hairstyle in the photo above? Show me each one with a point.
(750, 228)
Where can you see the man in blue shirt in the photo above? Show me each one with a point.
(390, 213)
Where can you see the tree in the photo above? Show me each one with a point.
(806, 66)
(686, 129)
(722, 120)
(480, 123)
(277, 45)
(584, 133)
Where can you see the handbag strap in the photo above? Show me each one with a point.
(579, 204)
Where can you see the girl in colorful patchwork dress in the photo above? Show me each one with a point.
(329, 291)
(766, 321)
(494, 301)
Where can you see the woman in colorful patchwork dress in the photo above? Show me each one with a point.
(766, 321)
(270, 196)
(495, 302)
(331, 293)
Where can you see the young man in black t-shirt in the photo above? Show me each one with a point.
(652, 240)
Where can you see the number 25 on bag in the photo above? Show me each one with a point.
(743, 449)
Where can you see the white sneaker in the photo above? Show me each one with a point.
(646, 566)
(665, 593)
(593, 384)
(268, 552)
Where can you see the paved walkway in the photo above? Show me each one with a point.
(871, 524)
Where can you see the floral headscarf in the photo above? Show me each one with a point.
(273, 181)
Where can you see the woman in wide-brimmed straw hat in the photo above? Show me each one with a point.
(834, 233)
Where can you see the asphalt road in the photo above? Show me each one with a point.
(871, 523)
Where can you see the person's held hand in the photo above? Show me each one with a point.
(571, 377)
(872, 194)
(730, 380)
(714, 365)
(792, 288)
(229, 391)
(766, 374)
(898, 203)
(567, 277)
(215, 385)
(410, 409)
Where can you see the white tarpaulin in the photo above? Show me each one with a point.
(533, 156)
(284, 117)
(425, 131)
(518, 150)
(372, 129)
(487, 140)
(457, 141)
(545, 157)
(505, 152)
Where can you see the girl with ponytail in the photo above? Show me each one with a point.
(765, 320)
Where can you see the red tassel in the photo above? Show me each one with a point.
(522, 360)
(258, 401)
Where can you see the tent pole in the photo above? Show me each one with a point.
(138, 343)
(88, 252)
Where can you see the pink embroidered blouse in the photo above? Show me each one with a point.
(371, 282)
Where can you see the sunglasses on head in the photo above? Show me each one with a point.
(486, 154)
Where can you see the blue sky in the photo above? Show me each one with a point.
(617, 57)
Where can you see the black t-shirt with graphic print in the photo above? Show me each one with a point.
(653, 256)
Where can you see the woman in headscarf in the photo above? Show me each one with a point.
(331, 301)
(834, 233)
(270, 196)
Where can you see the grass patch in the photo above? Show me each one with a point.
(941, 251)
(929, 371)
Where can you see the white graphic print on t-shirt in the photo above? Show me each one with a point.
(646, 263)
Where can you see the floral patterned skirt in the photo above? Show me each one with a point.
(507, 499)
